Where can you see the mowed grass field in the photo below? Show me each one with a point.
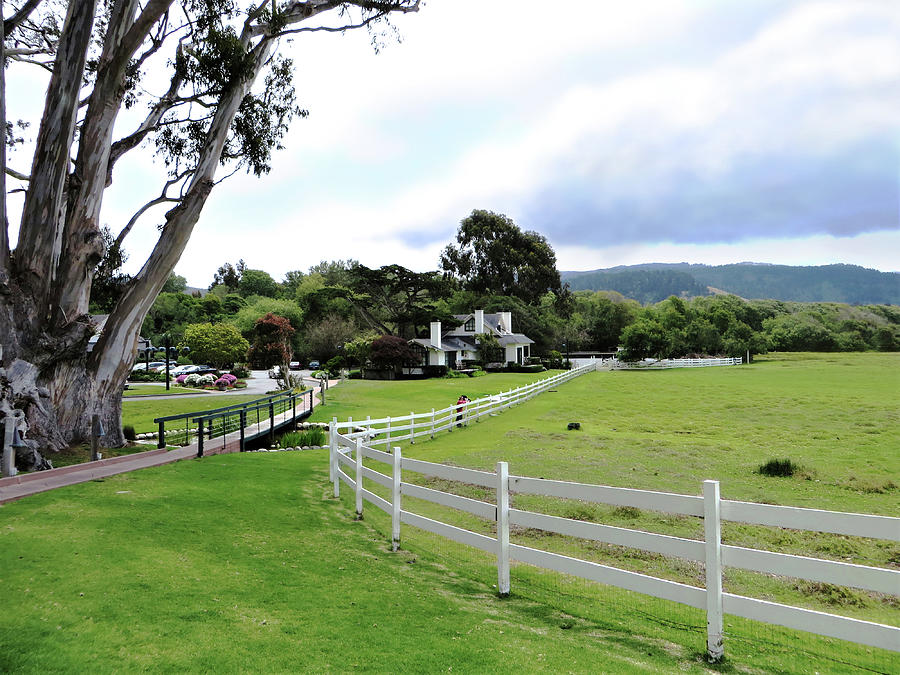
(836, 415)
(245, 562)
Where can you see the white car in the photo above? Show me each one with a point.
(152, 365)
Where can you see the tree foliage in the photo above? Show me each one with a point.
(391, 351)
(271, 341)
(226, 100)
(219, 345)
(493, 256)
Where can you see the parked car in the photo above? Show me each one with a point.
(204, 370)
(153, 365)
(183, 370)
(161, 368)
(314, 365)
(295, 365)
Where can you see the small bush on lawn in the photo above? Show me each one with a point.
(355, 375)
(128, 432)
(298, 439)
(779, 467)
(453, 374)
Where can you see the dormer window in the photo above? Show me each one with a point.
(470, 325)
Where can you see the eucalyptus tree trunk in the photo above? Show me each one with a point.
(47, 377)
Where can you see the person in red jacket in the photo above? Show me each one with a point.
(460, 408)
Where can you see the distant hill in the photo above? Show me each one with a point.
(826, 283)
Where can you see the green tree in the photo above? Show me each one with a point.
(493, 256)
(257, 282)
(175, 284)
(229, 276)
(645, 338)
(219, 344)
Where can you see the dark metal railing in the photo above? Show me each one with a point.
(208, 424)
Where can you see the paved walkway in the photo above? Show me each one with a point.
(16, 487)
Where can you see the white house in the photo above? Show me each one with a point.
(450, 347)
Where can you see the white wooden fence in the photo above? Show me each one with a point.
(675, 363)
(387, 430)
(348, 452)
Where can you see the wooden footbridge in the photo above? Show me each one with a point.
(232, 428)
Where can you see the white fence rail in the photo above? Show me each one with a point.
(709, 551)
(675, 363)
(388, 430)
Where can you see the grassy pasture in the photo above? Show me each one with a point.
(241, 563)
(834, 415)
(244, 563)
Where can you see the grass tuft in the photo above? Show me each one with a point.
(779, 467)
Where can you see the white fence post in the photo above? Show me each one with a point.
(503, 529)
(395, 501)
(432, 422)
(388, 441)
(359, 478)
(335, 478)
(412, 428)
(712, 526)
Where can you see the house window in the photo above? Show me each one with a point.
(470, 326)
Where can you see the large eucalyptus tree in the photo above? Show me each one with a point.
(227, 100)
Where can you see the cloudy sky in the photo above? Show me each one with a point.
(701, 131)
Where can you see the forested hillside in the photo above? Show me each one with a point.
(650, 283)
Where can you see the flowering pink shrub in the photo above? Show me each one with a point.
(228, 376)
(223, 382)
(180, 379)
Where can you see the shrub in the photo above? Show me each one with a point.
(240, 385)
(128, 432)
(454, 374)
(779, 467)
(241, 371)
(298, 439)
(180, 379)
(192, 380)
(144, 376)
(355, 375)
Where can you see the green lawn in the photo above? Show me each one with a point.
(240, 563)
(244, 562)
(836, 415)
(358, 398)
(157, 390)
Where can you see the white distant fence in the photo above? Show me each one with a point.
(675, 363)
(387, 430)
(346, 463)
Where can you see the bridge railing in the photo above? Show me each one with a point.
(185, 428)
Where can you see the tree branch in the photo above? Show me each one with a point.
(162, 199)
(16, 174)
(12, 22)
(165, 103)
